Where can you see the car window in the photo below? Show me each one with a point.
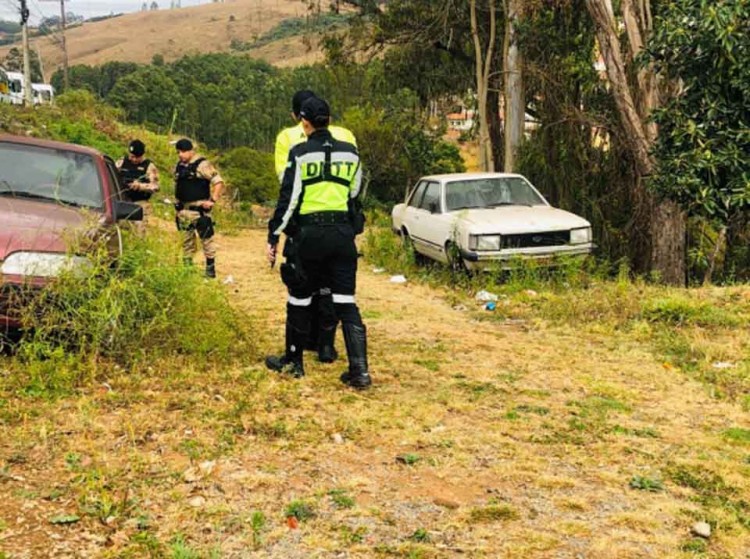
(52, 174)
(431, 197)
(417, 194)
(490, 192)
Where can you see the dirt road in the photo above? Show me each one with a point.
(480, 438)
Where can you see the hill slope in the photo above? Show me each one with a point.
(212, 27)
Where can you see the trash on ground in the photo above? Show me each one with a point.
(723, 365)
(490, 306)
(398, 279)
(229, 280)
(484, 296)
(378, 270)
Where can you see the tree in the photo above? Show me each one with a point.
(515, 101)
(14, 63)
(703, 151)
(154, 6)
(665, 222)
(147, 95)
(483, 56)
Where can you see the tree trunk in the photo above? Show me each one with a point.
(666, 229)
(720, 243)
(482, 64)
(515, 101)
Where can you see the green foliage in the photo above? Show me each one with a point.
(147, 95)
(704, 139)
(9, 27)
(147, 307)
(341, 498)
(250, 172)
(680, 311)
(493, 513)
(645, 483)
(737, 434)
(293, 27)
(300, 510)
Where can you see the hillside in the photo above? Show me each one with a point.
(212, 27)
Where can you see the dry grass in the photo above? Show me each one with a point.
(137, 37)
(522, 437)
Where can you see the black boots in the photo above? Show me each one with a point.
(291, 361)
(210, 267)
(326, 338)
(285, 364)
(358, 375)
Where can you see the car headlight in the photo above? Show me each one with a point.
(580, 236)
(42, 264)
(485, 242)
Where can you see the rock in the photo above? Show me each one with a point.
(338, 438)
(197, 501)
(701, 529)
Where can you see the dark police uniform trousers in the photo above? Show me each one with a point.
(322, 178)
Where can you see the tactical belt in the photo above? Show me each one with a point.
(199, 209)
(323, 218)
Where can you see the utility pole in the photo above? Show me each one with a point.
(28, 94)
(62, 40)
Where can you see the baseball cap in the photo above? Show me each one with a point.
(316, 111)
(137, 148)
(184, 145)
(299, 98)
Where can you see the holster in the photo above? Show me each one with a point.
(356, 216)
(292, 274)
(205, 226)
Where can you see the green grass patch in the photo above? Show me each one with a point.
(737, 434)
(301, 510)
(493, 513)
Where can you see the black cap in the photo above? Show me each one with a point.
(316, 111)
(184, 145)
(299, 98)
(137, 148)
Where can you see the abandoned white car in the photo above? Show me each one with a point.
(473, 220)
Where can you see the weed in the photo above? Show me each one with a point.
(409, 458)
(353, 536)
(737, 434)
(646, 432)
(341, 498)
(695, 545)
(678, 311)
(257, 524)
(300, 510)
(179, 549)
(493, 513)
(644, 483)
(537, 410)
(420, 535)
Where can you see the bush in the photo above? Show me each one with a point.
(251, 173)
(144, 308)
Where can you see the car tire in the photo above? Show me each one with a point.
(455, 262)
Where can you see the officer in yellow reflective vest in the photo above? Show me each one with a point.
(323, 321)
(315, 211)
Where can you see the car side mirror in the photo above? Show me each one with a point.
(128, 211)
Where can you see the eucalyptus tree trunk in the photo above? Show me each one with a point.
(483, 62)
(515, 99)
(666, 221)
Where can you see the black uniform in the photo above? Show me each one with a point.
(315, 211)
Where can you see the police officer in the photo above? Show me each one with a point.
(195, 178)
(320, 185)
(138, 175)
(323, 322)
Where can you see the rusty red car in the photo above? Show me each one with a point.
(49, 193)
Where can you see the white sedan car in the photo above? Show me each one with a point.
(470, 220)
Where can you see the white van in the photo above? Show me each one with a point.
(4, 87)
(44, 93)
(15, 82)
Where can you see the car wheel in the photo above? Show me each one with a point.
(455, 262)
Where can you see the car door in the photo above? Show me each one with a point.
(410, 216)
(426, 226)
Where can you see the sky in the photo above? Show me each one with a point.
(86, 8)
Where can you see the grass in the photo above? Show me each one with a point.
(475, 425)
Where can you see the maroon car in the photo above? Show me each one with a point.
(51, 192)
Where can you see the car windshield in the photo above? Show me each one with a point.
(51, 174)
(490, 193)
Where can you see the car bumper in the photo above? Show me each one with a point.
(506, 259)
(15, 294)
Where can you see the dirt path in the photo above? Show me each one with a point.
(478, 439)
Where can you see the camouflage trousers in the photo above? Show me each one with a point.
(188, 227)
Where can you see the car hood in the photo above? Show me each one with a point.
(30, 225)
(518, 219)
